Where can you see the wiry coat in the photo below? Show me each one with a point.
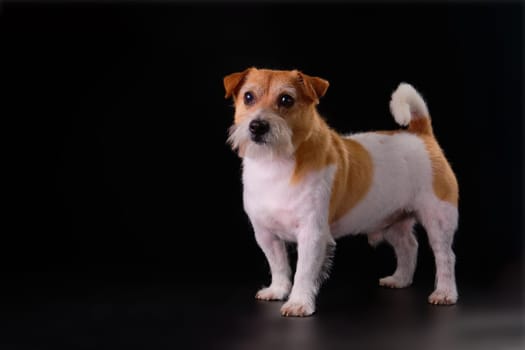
(305, 183)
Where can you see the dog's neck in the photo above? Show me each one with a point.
(315, 149)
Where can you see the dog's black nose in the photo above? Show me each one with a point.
(259, 127)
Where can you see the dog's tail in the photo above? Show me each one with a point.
(409, 108)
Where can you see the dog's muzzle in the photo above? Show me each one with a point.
(258, 128)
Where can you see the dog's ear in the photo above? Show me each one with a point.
(314, 87)
(233, 82)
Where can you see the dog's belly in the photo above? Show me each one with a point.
(402, 175)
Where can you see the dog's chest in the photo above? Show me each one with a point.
(276, 205)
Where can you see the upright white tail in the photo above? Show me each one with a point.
(407, 104)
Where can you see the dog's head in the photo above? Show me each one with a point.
(274, 110)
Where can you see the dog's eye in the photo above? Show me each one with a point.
(248, 98)
(285, 101)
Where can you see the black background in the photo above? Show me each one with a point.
(124, 201)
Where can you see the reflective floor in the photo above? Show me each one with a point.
(105, 315)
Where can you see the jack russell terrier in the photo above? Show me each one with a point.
(305, 183)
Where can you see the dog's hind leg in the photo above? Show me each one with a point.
(400, 236)
(440, 221)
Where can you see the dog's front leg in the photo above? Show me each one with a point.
(275, 251)
(312, 246)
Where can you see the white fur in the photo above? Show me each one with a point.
(274, 204)
(280, 211)
(440, 220)
(407, 103)
(402, 171)
(400, 235)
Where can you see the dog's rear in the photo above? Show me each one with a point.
(439, 214)
(412, 182)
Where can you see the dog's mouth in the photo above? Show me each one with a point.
(258, 139)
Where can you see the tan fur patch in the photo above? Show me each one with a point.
(354, 172)
(420, 126)
(315, 149)
(353, 178)
(443, 181)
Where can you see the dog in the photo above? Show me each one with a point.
(305, 183)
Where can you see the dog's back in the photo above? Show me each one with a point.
(407, 169)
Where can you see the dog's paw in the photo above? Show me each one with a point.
(443, 297)
(394, 282)
(273, 293)
(297, 309)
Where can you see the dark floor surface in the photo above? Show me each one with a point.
(120, 314)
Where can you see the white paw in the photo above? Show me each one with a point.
(273, 293)
(297, 309)
(443, 297)
(394, 282)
